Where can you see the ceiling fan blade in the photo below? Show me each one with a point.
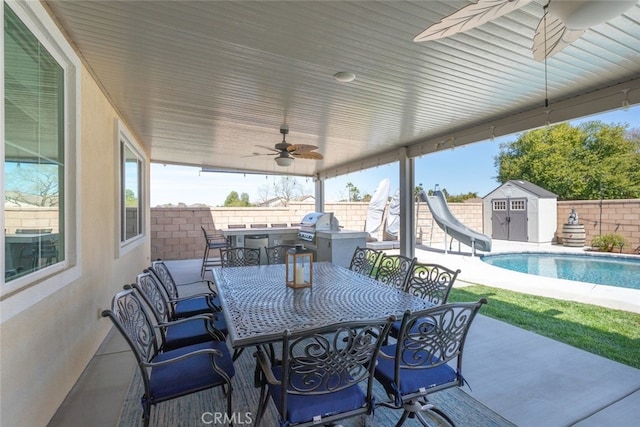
(313, 155)
(469, 17)
(268, 148)
(257, 154)
(558, 36)
(301, 147)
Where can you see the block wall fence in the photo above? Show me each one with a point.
(176, 233)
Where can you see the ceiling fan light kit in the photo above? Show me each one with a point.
(284, 160)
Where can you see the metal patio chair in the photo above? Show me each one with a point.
(277, 254)
(176, 332)
(211, 242)
(169, 374)
(394, 270)
(317, 378)
(200, 303)
(426, 358)
(431, 282)
(364, 261)
(240, 257)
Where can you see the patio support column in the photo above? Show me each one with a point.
(319, 188)
(407, 236)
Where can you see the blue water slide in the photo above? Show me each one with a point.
(450, 224)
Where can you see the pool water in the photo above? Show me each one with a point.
(604, 270)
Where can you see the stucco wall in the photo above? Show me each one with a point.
(47, 346)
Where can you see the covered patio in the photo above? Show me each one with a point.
(211, 84)
(527, 379)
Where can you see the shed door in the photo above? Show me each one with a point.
(499, 224)
(518, 220)
(509, 219)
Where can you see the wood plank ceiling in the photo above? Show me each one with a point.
(203, 82)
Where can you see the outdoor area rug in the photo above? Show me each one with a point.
(188, 411)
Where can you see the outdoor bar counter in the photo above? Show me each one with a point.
(336, 246)
(240, 237)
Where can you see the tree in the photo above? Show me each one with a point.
(33, 184)
(353, 192)
(286, 189)
(591, 161)
(264, 193)
(233, 200)
(130, 199)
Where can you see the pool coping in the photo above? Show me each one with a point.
(476, 271)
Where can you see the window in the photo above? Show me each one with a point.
(518, 205)
(34, 148)
(499, 205)
(41, 128)
(131, 190)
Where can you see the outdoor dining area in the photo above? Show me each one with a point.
(318, 342)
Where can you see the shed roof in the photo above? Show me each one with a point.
(529, 187)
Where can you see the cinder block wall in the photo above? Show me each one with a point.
(611, 217)
(176, 232)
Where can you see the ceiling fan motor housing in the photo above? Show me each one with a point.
(282, 146)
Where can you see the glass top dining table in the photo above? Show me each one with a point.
(258, 306)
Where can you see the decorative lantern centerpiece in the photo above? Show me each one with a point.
(299, 265)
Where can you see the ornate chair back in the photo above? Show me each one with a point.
(320, 372)
(431, 282)
(394, 270)
(277, 254)
(133, 322)
(159, 268)
(364, 261)
(239, 257)
(155, 297)
(426, 358)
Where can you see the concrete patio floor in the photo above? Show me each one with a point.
(529, 379)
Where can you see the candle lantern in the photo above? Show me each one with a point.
(299, 265)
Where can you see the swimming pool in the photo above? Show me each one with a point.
(599, 269)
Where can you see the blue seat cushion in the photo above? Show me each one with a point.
(301, 408)
(186, 333)
(195, 306)
(192, 306)
(411, 380)
(191, 374)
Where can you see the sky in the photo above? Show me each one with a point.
(461, 170)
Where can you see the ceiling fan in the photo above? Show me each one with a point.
(563, 22)
(286, 153)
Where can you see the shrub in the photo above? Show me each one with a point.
(607, 242)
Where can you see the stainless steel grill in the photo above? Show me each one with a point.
(314, 222)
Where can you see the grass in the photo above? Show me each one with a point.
(614, 334)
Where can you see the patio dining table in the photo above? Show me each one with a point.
(258, 306)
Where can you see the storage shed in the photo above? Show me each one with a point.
(520, 211)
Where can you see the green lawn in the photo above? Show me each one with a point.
(613, 334)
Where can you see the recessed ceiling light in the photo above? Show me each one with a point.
(344, 76)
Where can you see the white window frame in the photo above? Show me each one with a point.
(125, 137)
(18, 295)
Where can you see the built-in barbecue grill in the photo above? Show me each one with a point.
(314, 222)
